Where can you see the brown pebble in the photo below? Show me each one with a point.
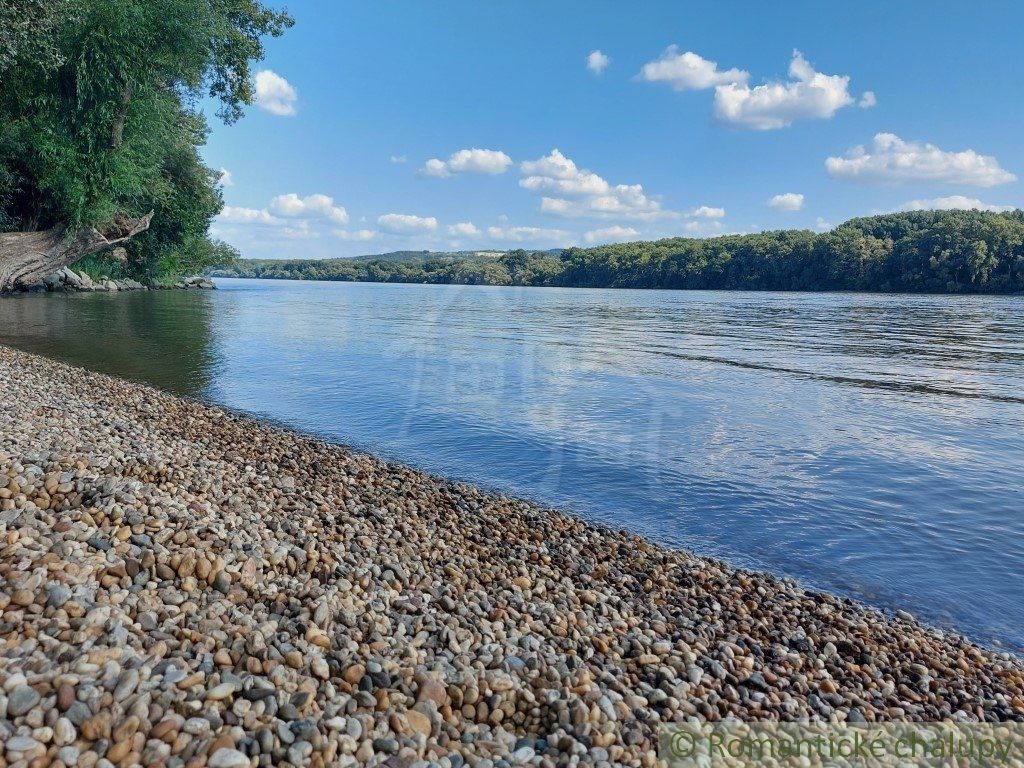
(65, 697)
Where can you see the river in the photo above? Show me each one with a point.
(866, 444)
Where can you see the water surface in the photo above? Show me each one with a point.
(870, 445)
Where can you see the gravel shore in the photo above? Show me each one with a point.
(184, 586)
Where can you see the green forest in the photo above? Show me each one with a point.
(915, 252)
(101, 107)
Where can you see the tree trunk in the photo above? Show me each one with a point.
(117, 132)
(28, 257)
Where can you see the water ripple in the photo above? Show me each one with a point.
(871, 445)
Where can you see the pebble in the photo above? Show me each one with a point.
(299, 752)
(197, 726)
(22, 744)
(21, 700)
(228, 758)
(220, 692)
(64, 731)
(522, 755)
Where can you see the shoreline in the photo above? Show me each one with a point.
(182, 583)
(66, 280)
(837, 291)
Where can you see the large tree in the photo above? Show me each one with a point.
(98, 103)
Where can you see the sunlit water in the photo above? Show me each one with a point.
(870, 445)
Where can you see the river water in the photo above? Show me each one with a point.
(866, 444)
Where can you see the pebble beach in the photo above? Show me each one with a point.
(185, 586)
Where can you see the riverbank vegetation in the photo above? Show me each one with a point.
(99, 102)
(917, 252)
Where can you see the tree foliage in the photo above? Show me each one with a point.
(918, 252)
(98, 99)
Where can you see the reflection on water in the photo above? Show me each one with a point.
(871, 445)
(161, 337)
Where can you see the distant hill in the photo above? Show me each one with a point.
(394, 257)
(910, 252)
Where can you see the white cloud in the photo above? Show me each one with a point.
(809, 94)
(398, 159)
(954, 202)
(867, 100)
(707, 212)
(489, 161)
(238, 215)
(822, 224)
(597, 62)
(312, 206)
(291, 212)
(359, 234)
(275, 94)
(787, 201)
(436, 168)
(300, 231)
(558, 206)
(583, 193)
(689, 72)
(891, 160)
(406, 224)
(464, 229)
(524, 234)
(224, 178)
(610, 234)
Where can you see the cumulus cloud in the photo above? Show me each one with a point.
(525, 234)
(224, 178)
(310, 207)
(822, 224)
(867, 100)
(359, 234)
(787, 201)
(576, 192)
(398, 159)
(238, 215)
(810, 94)
(489, 161)
(707, 212)
(292, 213)
(891, 160)
(464, 229)
(300, 230)
(689, 72)
(610, 234)
(597, 62)
(954, 202)
(274, 94)
(406, 224)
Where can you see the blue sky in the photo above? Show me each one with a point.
(730, 130)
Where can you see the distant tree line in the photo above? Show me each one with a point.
(918, 252)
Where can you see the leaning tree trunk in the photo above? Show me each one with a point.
(28, 257)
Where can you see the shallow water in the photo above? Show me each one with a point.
(866, 444)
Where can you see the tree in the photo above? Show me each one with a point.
(29, 28)
(917, 252)
(98, 103)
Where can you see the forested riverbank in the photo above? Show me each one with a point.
(100, 163)
(912, 252)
